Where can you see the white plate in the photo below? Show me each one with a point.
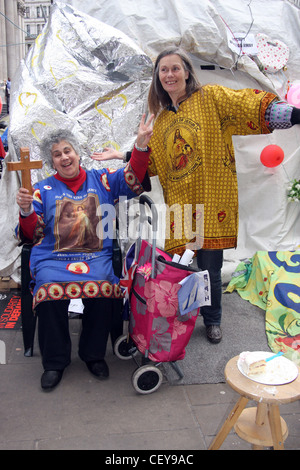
(279, 371)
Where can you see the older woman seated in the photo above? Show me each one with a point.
(71, 258)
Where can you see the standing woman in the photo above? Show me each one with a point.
(66, 219)
(193, 155)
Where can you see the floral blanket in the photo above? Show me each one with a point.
(271, 281)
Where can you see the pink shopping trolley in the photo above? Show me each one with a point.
(157, 329)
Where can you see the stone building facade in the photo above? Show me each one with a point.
(12, 36)
(36, 15)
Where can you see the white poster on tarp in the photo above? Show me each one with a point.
(241, 44)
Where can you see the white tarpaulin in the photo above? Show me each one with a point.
(81, 62)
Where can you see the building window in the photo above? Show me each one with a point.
(38, 12)
(27, 12)
(28, 30)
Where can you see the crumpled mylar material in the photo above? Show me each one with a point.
(83, 75)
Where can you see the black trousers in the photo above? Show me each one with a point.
(212, 261)
(100, 318)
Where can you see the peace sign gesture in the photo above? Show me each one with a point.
(145, 131)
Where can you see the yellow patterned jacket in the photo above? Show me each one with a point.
(193, 156)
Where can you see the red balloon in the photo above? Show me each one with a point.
(272, 156)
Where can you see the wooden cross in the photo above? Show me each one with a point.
(25, 165)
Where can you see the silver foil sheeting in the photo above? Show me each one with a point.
(83, 75)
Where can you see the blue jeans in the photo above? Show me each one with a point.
(212, 261)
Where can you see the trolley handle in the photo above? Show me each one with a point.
(154, 224)
(154, 221)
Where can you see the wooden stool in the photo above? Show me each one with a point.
(261, 426)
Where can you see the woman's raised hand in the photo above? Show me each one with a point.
(24, 199)
(145, 131)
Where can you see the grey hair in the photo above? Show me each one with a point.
(56, 137)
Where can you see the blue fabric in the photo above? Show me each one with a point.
(4, 138)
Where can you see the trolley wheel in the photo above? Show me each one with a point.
(147, 379)
(124, 348)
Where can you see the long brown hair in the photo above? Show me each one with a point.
(158, 98)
